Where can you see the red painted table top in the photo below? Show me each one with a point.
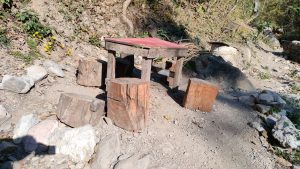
(146, 43)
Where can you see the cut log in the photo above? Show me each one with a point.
(90, 73)
(77, 110)
(128, 103)
(200, 95)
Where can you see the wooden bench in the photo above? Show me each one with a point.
(149, 49)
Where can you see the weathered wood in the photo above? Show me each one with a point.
(126, 49)
(171, 66)
(111, 66)
(128, 103)
(200, 95)
(146, 69)
(147, 52)
(77, 110)
(178, 71)
(89, 72)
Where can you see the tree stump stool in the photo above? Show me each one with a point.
(200, 95)
(128, 103)
(90, 73)
(77, 110)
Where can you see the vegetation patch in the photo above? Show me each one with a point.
(4, 41)
(292, 156)
(264, 75)
(31, 24)
(27, 58)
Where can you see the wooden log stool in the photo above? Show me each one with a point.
(200, 95)
(91, 72)
(77, 110)
(128, 103)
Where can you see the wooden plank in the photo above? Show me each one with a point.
(146, 69)
(167, 53)
(111, 66)
(178, 71)
(126, 49)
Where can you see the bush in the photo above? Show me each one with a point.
(31, 24)
(4, 41)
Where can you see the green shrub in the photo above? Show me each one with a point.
(94, 40)
(31, 24)
(4, 41)
(28, 58)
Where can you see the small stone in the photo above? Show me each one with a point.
(271, 121)
(257, 126)
(263, 108)
(38, 135)
(7, 147)
(78, 143)
(108, 152)
(264, 142)
(17, 84)
(22, 127)
(135, 162)
(37, 73)
(54, 68)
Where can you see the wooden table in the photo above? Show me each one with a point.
(149, 49)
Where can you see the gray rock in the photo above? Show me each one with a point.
(7, 147)
(6, 165)
(263, 108)
(265, 98)
(135, 162)
(36, 73)
(54, 68)
(271, 121)
(78, 143)
(22, 127)
(257, 126)
(286, 133)
(17, 84)
(108, 152)
(248, 100)
(296, 167)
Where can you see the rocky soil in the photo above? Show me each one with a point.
(254, 116)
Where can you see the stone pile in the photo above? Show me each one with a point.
(35, 73)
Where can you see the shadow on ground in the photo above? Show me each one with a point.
(11, 152)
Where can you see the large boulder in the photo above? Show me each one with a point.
(286, 133)
(270, 98)
(78, 143)
(108, 152)
(54, 68)
(22, 127)
(36, 73)
(38, 135)
(16, 84)
(228, 53)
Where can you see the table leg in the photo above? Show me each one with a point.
(146, 69)
(178, 71)
(111, 66)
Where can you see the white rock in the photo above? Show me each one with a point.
(78, 143)
(228, 53)
(108, 152)
(134, 162)
(22, 127)
(39, 135)
(37, 73)
(286, 133)
(17, 84)
(54, 68)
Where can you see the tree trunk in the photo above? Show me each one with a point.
(128, 103)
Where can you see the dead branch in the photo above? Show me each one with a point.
(124, 16)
